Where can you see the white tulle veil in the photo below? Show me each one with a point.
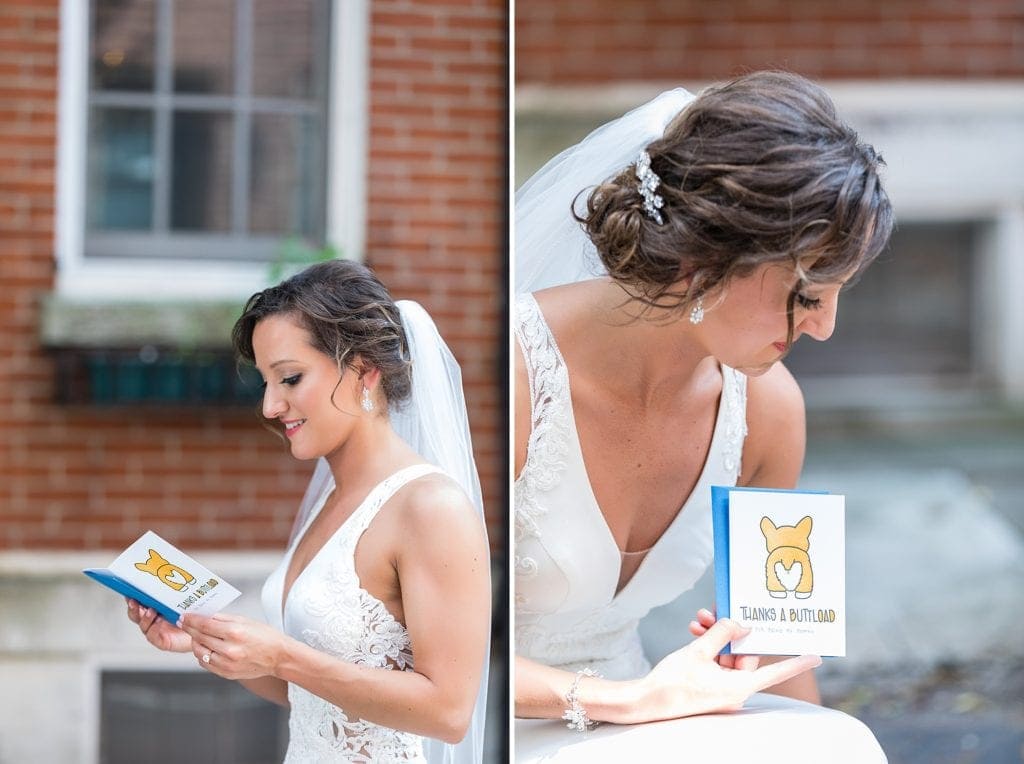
(435, 424)
(550, 246)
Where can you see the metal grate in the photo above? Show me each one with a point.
(175, 717)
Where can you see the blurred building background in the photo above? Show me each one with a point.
(161, 160)
(916, 405)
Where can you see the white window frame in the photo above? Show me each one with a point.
(134, 279)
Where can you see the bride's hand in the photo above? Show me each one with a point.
(699, 627)
(158, 632)
(233, 646)
(691, 681)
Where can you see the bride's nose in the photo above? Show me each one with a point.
(821, 323)
(273, 404)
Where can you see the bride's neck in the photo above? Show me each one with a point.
(372, 452)
(645, 352)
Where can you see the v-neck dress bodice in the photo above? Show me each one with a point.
(328, 609)
(567, 564)
(569, 616)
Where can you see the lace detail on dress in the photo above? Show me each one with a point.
(549, 438)
(734, 398)
(354, 626)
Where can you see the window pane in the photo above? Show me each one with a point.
(289, 48)
(284, 193)
(201, 171)
(123, 44)
(204, 46)
(120, 175)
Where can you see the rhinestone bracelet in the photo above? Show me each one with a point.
(575, 716)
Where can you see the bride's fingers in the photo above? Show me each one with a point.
(696, 629)
(147, 616)
(718, 636)
(705, 618)
(133, 610)
(775, 673)
(746, 662)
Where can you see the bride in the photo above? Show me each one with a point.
(665, 266)
(379, 612)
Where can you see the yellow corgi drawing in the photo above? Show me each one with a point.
(788, 567)
(171, 575)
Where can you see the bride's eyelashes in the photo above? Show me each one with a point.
(291, 381)
(810, 303)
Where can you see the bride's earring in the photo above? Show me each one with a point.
(697, 312)
(367, 403)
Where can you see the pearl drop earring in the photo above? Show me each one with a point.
(697, 312)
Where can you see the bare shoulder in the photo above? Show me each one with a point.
(775, 395)
(435, 507)
(774, 449)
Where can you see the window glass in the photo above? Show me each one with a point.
(204, 46)
(284, 174)
(123, 44)
(201, 173)
(120, 192)
(206, 127)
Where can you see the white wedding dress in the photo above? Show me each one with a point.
(329, 610)
(568, 614)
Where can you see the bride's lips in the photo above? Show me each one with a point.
(290, 428)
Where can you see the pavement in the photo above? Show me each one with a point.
(935, 583)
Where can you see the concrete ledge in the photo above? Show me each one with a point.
(80, 323)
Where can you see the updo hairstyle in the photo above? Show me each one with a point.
(757, 170)
(347, 311)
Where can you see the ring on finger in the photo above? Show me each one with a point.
(207, 657)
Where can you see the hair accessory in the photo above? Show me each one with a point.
(697, 312)
(649, 182)
(367, 403)
(575, 716)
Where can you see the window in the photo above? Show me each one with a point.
(195, 136)
(206, 133)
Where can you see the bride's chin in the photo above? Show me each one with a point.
(754, 371)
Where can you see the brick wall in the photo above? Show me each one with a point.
(86, 477)
(594, 41)
(436, 231)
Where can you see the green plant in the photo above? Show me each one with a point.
(295, 254)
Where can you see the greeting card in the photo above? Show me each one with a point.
(159, 575)
(780, 569)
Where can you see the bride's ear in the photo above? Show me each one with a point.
(369, 375)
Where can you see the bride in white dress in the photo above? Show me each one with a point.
(378, 615)
(664, 266)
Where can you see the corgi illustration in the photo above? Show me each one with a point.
(171, 575)
(788, 567)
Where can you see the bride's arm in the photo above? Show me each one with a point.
(773, 455)
(687, 682)
(443, 570)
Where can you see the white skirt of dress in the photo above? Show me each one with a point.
(769, 728)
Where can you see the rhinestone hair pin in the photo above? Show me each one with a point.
(648, 187)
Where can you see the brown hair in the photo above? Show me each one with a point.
(757, 170)
(347, 311)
